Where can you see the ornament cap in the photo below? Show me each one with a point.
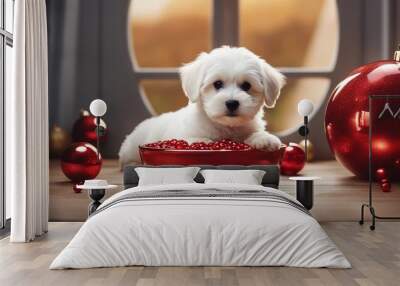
(397, 54)
(84, 112)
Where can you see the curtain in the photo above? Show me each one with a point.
(27, 124)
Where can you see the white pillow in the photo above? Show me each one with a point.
(163, 176)
(248, 177)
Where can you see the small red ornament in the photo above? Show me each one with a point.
(293, 160)
(347, 119)
(84, 129)
(80, 162)
(381, 174)
(385, 185)
(76, 189)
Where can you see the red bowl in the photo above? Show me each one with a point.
(154, 156)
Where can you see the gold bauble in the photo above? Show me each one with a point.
(59, 141)
(310, 149)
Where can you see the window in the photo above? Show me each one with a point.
(302, 43)
(161, 35)
(6, 60)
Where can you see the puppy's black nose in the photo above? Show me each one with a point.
(232, 104)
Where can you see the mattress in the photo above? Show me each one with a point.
(201, 225)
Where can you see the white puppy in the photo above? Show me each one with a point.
(227, 89)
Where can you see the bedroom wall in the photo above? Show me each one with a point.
(89, 58)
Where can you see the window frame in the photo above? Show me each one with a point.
(6, 39)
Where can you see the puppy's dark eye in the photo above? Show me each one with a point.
(218, 84)
(245, 86)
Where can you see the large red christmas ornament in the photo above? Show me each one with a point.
(293, 160)
(84, 129)
(80, 162)
(348, 117)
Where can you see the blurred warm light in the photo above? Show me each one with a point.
(168, 33)
(286, 34)
(380, 145)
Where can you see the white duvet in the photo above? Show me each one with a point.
(200, 231)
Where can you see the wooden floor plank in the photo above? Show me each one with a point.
(375, 257)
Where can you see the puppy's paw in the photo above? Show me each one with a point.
(263, 140)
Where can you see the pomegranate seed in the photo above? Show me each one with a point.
(179, 144)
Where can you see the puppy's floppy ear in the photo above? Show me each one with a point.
(192, 76)
(273, 81)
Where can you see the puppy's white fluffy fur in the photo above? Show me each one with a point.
(206, 117)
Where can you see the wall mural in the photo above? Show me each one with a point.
(96, 60)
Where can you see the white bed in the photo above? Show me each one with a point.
(269, 229)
